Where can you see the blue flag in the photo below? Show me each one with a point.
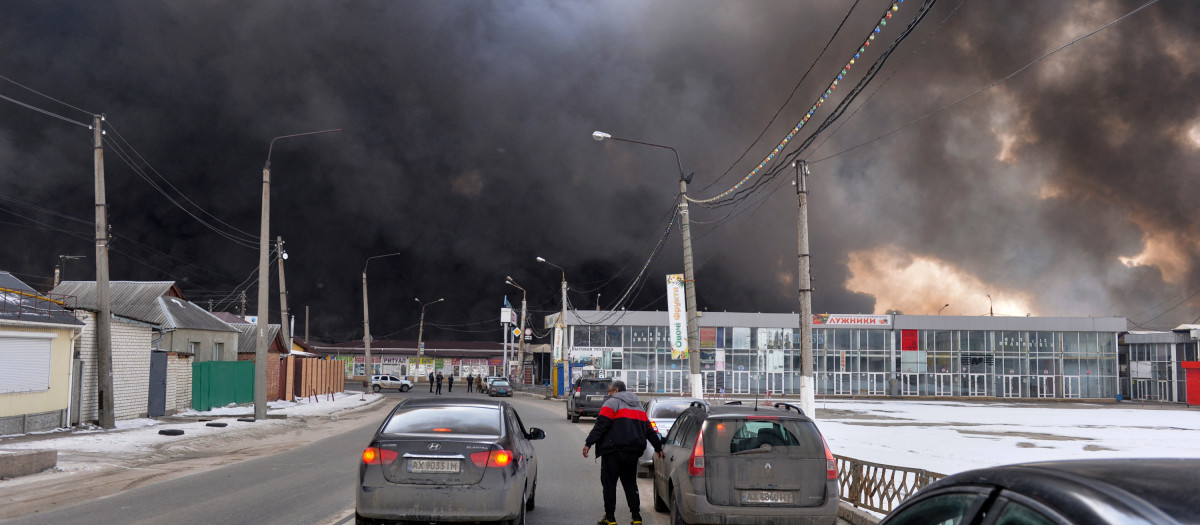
(506, 303)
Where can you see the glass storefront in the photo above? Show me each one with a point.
(858, 361)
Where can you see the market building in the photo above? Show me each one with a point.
(857, 355)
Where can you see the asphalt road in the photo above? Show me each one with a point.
(313, 483)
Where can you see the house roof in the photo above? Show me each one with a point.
(248, 342)
(19, 302)
(159, 303)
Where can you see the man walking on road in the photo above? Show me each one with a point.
(620, 436)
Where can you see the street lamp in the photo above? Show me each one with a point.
(260, 352)
(939, 312)
(367, 321)
(421, 330)
(560, 353)
(990, 312)
(521, 338)
(689, 277)
(62, 266)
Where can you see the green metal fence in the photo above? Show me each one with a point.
(219, 383)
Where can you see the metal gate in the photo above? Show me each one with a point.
(943, 384)
(158, 385)
(842, 384)
(1011, 385)
(977, 385)
(1071, 386)
(910, 384)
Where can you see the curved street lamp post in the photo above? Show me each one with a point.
(367, 321)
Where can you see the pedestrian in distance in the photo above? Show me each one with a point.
(439, 382)
(450, 383)
(470, 382)
(431, 382)
(620, 436)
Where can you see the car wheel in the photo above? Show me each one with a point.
(676, 518)
(575, 417)
(532, 495)
(659, 504)
(375, 388)
(404, 388)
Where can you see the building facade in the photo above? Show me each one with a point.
(1153, 363)
(857, 355)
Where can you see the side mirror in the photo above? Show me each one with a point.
(535, 433)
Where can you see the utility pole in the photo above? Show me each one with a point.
(521, 343)
(804, 280)
(104, 317)
(306, 325)
(285, 331)
(264, 285)
(243, 304)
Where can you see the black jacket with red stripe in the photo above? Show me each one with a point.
(622, 426)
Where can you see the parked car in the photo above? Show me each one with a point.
(448, 460)
(587, 397)
(500, 388)
(734, 464)
(1093, 492)
(487, 383)
(662, 412)
(382, 381)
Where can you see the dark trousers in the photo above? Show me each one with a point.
(622, 466)
(469, 385)
(450, 386)
(439, 387)
(430, 385)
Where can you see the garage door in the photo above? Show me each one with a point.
(24, 362)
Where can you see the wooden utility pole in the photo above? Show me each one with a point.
(804, 281)
(305, 324)
(284, 326)
(104, 317)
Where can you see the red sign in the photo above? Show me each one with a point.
(908, 340)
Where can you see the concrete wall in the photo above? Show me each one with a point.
(180, 341)
(56, 398)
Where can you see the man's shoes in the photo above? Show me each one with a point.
(636, 522)
(606, 521)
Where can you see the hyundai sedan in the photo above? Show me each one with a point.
(448, 460)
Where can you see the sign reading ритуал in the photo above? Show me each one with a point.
(677, 314)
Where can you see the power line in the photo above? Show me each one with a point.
(45, 112)
(31, 90)
(989, 86)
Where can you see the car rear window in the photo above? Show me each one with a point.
(445, 420)
(733, 436)
(594, 387)
(668, 410)
(500, 383)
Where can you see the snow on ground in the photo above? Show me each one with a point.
(949, 437)
(940, 436)
(140, 435)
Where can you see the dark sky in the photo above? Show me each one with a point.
(1069, 189)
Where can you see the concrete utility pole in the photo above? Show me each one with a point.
(104, 317)
(285, 331)
(521, 338)
(804, 282)
(306, 325)
(561, 332)
(243, 304)
(366, 322)
(260, 352)
(689, 275)
(421, 329)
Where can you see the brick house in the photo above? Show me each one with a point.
(156, 336)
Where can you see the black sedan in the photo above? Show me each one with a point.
(1093, 492)
(448, 460)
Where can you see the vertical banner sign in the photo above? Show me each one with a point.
(558, 344)
(908, 340)
(677, 316)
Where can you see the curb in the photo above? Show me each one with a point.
(24, 462)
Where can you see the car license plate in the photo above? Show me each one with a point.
(767, 496)
(428, 466)
(595, 398)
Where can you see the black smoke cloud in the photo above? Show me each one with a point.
(466, 149)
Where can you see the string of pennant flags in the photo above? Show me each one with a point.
(883, 21)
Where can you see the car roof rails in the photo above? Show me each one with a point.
(789, 406)
(733, 402)
(700, 404)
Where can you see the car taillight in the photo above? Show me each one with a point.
(830, 461)
(696, 462)
(494, 458)
(377, 456)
